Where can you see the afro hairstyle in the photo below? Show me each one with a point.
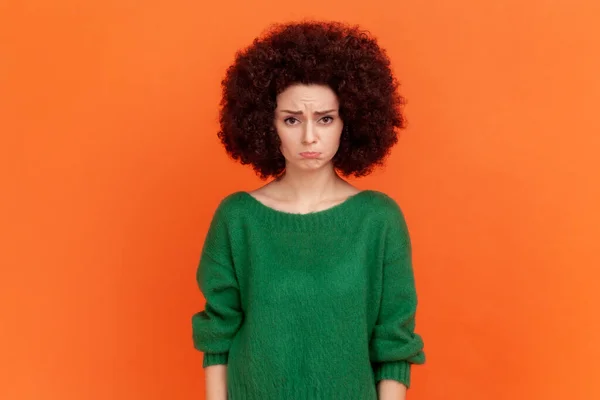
(343, 57)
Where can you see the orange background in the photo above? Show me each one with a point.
(111, 170)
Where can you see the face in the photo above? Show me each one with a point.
(308, 123)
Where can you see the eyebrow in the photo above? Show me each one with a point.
(316, 112)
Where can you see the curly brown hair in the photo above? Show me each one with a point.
(344, 57)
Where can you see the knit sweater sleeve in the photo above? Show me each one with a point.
(215, 327)
(394, 345)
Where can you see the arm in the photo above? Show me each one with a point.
(389, 389)
(216, 382)
(394, 346)
(215, 327)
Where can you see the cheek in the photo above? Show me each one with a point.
(284, 140)
(333, 141)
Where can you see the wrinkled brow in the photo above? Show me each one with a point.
(293, 112)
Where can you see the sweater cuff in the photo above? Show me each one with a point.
(214, 359)
(396, 370)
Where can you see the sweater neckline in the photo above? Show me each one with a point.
(332, 215)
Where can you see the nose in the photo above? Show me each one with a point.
(309, 136)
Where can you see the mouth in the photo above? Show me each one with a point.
(310, 154)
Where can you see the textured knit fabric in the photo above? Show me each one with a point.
(317, 306)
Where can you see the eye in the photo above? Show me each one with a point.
(291, 121)
(327, 120)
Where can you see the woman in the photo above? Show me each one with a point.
(308, 281)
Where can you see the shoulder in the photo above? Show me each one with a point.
(388, 215)
(232, 200)
(230, 205)
(393, 222)
(385, 204)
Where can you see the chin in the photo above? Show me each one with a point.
(312, 165)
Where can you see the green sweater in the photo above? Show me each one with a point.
(315, 306)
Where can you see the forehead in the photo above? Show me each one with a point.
(303, 95)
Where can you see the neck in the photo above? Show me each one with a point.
(309, 186)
